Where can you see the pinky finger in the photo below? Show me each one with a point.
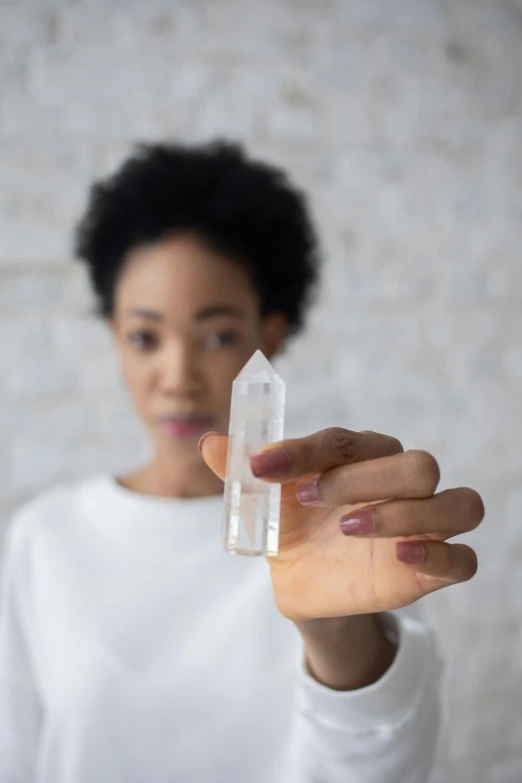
(437, 563)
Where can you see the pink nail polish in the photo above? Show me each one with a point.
(410, 552)
(359, 522)
(308, 492)
(274, 462)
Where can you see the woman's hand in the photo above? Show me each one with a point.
(362, 529)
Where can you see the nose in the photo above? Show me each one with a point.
(178, 373)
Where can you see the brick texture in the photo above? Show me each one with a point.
(404, 122)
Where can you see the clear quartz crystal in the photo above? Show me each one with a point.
(251, 513)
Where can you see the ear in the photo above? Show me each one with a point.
(274, 332)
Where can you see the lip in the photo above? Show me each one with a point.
(178, 427)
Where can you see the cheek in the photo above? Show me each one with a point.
(219, 380)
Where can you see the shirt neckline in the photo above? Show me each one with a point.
(103, 499)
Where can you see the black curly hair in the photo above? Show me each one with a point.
(243, 208)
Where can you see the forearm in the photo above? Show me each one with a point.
(346, 653)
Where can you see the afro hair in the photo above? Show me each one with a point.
(243, 208)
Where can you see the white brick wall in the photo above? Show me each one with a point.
(404, 120)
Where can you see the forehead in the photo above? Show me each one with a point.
(181, 275)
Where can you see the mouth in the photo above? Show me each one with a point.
(178, 427)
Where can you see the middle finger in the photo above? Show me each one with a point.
(409, 474)
(449, 513)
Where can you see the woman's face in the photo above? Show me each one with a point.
(185, 321)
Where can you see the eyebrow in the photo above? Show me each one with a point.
(216, 310)
(144, 312)
(202, 315)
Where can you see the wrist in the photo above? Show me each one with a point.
(348, 653)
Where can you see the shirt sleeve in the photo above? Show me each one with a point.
(20, 711)
(383, 733)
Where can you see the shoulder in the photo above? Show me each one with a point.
(46, 512)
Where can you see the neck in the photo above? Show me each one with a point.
(166, 476)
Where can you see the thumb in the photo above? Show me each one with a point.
(213, 448)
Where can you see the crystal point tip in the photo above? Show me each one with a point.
(257, 364)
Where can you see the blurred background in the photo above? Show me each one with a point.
(403, 121)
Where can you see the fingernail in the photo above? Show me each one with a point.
(359, 522)
(308, 492)
(410, 552)
(203, 439)
(274, 462)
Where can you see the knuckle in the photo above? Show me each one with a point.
(472, 506)
(422, 469)
(342, 442)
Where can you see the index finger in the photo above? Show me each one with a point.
(298, 458)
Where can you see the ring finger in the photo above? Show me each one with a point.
(449, 513)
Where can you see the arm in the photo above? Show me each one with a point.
(382, 732)
(361, 527)
(347, 653)
(20, 711)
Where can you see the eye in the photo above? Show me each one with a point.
(144, 340)
(221, 339)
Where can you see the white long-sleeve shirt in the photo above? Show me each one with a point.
(133, 649)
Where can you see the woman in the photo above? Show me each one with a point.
(131, 647)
